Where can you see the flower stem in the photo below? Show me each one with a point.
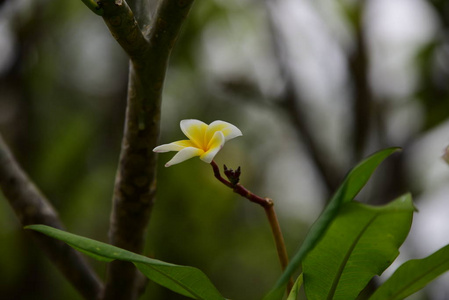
(277, 234)
(218, 175)
(268, 206)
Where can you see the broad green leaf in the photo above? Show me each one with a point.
(91, 254)
(187, 281)
(350, 187)
(413, 275)
(296, 288)
(360, 243)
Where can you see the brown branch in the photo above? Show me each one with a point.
(31, 207)
(240, 189)
(143, 10)
(268, 206)
(217, 175)
(124, 28)
(278, 237)
(135, 181)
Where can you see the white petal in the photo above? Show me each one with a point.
(175, 146)
(183, 155)
(168, 147)
(229, 131)
(194, 130)
(215, 145)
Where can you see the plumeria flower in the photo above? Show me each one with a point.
(204, 140)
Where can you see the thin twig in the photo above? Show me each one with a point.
(135, 181)
(31, 207)
(268, 206)
(277, 234)
(218, 175)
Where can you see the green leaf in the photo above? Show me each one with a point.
(295, 290)
(413, 276)
(91, 254)
(360, 243)
(350, 187)
(186, 281)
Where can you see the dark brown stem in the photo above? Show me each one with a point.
(31, 207)
(268, 206)
(135, 180)
(241, 190)
(218, 175)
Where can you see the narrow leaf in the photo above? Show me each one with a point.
(413, 275)
(360, 243)
(91, 254)
(353, 183)
(187, 281)
(296, 288)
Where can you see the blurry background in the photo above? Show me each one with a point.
(314, 86)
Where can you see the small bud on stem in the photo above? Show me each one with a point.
(233, 176)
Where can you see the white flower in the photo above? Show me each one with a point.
(204, 140)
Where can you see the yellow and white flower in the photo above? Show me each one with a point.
(204, 140)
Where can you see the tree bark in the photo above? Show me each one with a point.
(31, 207)
(135, 184)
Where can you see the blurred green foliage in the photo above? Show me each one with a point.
(66, 133)
(63, 96)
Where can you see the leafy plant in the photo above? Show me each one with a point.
(186, 281)
(348, 245)
(351, 186)
(345, 248)
(361, 242)
(413, 276)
